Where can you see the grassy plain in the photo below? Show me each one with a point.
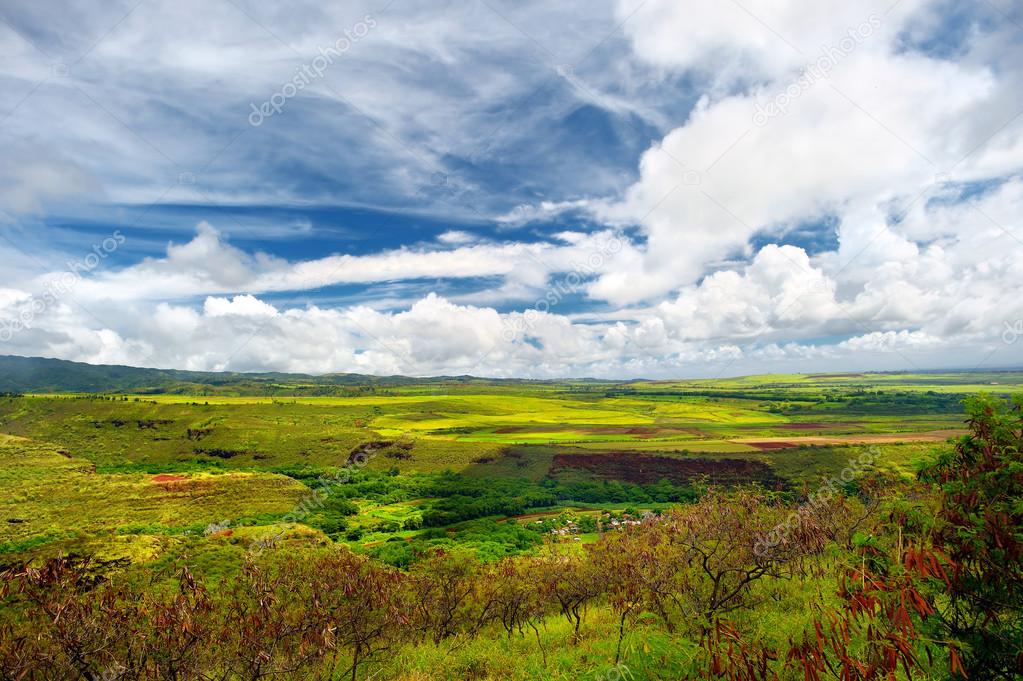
(498, 469)
(147, 473)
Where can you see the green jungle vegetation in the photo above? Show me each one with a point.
(178, 525)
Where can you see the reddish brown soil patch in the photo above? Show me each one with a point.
(167, 477)
(869, 438)
(635, 430)
(646, 469)
(771, 445)
(641, 431)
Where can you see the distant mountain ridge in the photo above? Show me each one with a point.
(45, 375)
(40, 375)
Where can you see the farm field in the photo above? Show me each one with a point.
(247, 459)
(149, 481)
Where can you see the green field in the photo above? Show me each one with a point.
(494, 469)
(249, 458)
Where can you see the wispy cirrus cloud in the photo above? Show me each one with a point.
(455, 169)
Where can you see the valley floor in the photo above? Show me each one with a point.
(148, 481)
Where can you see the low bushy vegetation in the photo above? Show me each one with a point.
(928, 584)
(771, 528)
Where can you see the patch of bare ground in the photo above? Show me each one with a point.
(647, 469)
(865, 439)
(168, 477)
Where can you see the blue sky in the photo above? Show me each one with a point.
(615, 188)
